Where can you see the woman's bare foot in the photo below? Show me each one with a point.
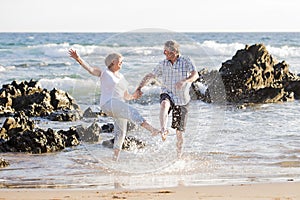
(155, 132)
(150, 128)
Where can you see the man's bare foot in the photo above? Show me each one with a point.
(164, 134)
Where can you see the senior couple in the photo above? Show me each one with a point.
(176, 73)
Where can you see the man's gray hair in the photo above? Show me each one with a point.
(172, 45)
(111, 57)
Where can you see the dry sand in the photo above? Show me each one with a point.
(269, 191)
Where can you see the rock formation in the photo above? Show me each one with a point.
(31, 99)
(251, 76)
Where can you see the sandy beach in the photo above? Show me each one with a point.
(266, 191)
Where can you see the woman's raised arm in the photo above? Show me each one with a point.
(92, 70)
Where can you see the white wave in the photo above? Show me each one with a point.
(284, 52)
(206, 48)
(5, 68)
(211, 48)
(68, 84)
(2, 69)
(67, 64)
(51, 50)
(60, 50)
(215, 48)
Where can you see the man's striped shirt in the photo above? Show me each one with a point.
(170, 74)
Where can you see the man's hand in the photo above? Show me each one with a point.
(179, 84)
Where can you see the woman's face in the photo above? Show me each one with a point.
(118, 63)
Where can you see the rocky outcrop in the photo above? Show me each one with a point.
(19, 102)
(31, 99)
(19, 134)
(251, 76)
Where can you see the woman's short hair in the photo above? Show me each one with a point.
(172, 45)
(111, 57)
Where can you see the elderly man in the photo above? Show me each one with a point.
(176, 72)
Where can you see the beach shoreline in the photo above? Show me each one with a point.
(261, 191)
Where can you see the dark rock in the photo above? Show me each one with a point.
(62, 100)
(88, 113)
(34, 101)
(71, 137)
(130, 143)
(12, 125)
(40, 141)
(3, 163)
(209, 87)
(90, 134)
(65, 115)
(108, 143)
(19, 134)
(254, 76)
(131, 126)
(107, 128)
(251, 76)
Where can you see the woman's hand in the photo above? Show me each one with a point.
(92, 70)
(133, 96)
(73, 54)
(137, 94)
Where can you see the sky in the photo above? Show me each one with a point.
(130, 15)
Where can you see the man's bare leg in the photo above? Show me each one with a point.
(179, 143)
(163, 117)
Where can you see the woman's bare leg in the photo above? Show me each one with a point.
(150, 128)
(116, 154)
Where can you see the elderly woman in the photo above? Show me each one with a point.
(113, 95)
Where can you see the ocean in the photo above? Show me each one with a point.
(222, 144)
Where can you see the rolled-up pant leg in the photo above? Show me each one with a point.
(120, 130)
(121, 112)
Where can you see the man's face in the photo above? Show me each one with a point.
(170, 55)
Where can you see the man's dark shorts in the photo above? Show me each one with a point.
(179, 113)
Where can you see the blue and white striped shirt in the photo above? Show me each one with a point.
(169, 75)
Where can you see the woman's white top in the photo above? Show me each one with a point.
(112, 86)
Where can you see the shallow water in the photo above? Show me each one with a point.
(226, 146)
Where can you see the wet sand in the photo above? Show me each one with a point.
(266, 191)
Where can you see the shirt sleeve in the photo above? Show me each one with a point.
(157, 71)
(190, 64)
